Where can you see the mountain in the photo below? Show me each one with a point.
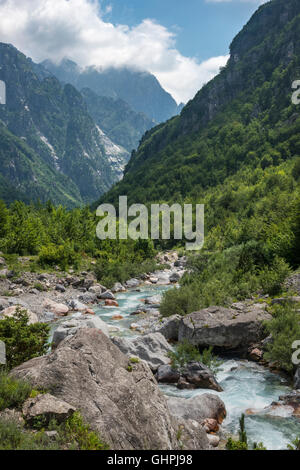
(123, 126)
(141, 90)
(50, 147)
(243, 118)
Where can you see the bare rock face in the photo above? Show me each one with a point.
(199, 408)
(123, 404)
(152, 348)
(70, 327)
(226, 328)
(46, 406)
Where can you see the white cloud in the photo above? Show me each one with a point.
(77, 29)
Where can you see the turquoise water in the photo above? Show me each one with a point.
(246, 384)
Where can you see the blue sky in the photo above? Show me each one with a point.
(203, 29)
(182, 42)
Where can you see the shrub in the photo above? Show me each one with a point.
(61, 255)
(186, 352)
(285, 329)
(23, 341)
(80, 434)
(13, 392)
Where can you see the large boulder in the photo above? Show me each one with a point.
(56, 308)
(70, 327)
(199, 408)
(123, 404)
(168, 327)
(197, 375)
(46, 406)
(11, 311)
(193, 375)
(132, 283)
(225, 328)
(152, 348)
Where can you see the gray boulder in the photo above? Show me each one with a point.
(193, 375)
(166, 374)
(107, 295)
(197, 375)
(3, 304)
(46, 406)
(118, 287)
(70, 328)
(198, 408)
(77, 306)
(174, 277)
(132, 283)
(88, 298)
(152, 348)
(124, 406)
(229, 329)
(168, 327)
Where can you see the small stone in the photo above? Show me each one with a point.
(60, 288)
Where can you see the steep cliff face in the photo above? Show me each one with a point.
(117, 119)
(243, 117)
(48, 138)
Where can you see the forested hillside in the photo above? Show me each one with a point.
(236, 148)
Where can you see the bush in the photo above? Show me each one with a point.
(285, 329)
(109, 272)
(13, 392)
(186, 352)
(80, 434)
(23, 341)
(61, 255)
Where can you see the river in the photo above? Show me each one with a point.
(245, 384)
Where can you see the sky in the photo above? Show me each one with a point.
(182, 42)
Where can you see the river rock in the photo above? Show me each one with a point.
(291, 400)
(56, 308)
(199, 376)
(60, 288)
(151, 348)
(97, 289)
(124, 406)
(224, 328)
(76, 305)
(107, 295)
(193, 375)
(117, 287)
(48, 407)
(11, 311)
(198, 408)
(88, 298)
(70, 328)
(154, 300)
(174, 277)
(132, 283)
(168, 327)
(213, 440)
(166, 374)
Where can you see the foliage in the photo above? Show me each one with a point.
(242, 442)
(74, 434)
(295, 445)
(13, 392)
(285, 329)
(23, 341)
(186, 352)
